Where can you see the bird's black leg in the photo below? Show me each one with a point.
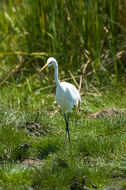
(68, 127)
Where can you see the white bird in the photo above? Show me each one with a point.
(66, 94)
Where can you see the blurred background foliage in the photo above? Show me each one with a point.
(86, 37)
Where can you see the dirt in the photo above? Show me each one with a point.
(108, 112)
(30, 162)
(33, 128)
(82, 184)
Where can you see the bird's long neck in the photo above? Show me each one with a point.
(56, 74)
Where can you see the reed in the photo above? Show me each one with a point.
(73, 31)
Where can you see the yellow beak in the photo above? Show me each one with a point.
(44, 66)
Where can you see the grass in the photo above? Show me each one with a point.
(98, 145)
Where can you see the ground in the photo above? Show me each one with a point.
(32, 132)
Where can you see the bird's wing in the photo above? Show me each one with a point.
(68, 93)
(71, 90)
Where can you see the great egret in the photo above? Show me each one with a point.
(66, 94)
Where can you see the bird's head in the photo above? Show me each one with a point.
(50, 61)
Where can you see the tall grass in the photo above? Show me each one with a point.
(75, 32)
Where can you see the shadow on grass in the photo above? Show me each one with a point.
(47, 146)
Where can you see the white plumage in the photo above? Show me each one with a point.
(66, 94)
